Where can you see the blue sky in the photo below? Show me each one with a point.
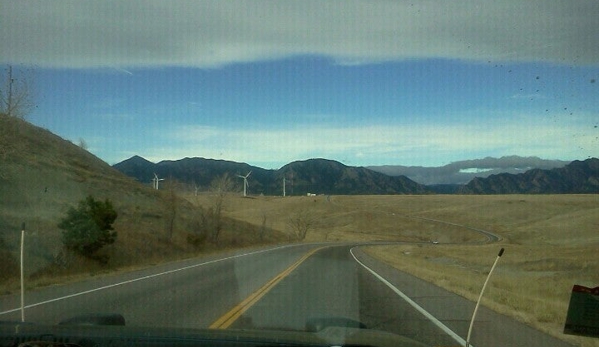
(267, 83)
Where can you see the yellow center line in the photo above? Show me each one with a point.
(230, 317)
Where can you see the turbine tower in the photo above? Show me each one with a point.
(245, 183)
(155, 181)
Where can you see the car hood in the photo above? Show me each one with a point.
(20, 334)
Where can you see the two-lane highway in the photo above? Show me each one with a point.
(190, 294)
(332, 284)
(277, 288)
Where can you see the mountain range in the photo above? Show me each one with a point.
(462, 172)
(313, 176)
(577, 177)
(322, 176)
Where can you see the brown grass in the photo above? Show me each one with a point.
(344, 218)
(550, 240)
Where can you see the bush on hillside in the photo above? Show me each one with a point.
(88, 228)
(202, 229)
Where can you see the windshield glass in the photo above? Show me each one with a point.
(302, 166)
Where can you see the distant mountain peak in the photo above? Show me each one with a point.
(578, 177)
(461, 172)
(138, 159)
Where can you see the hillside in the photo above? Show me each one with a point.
(321, 176)
(43, 175)
(578, 177)
(316, 176)
(192, 171)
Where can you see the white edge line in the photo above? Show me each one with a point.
(144, 278)
(418, 308)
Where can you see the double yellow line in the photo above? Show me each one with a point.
(230, 317)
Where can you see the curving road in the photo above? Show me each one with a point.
(491, 237)
(279, 288)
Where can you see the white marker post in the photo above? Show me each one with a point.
(22, 273)
(480, 297)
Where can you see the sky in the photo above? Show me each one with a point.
(418, 83)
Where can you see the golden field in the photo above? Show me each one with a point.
(551, 243)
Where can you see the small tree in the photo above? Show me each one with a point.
(200, 229)
(83, 144)
(301, 222)
(262, 231)
(171, 201)
(88, 228)
(220, 187)
(16, 95)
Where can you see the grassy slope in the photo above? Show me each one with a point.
(43, 175)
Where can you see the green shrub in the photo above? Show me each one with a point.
(88, 228)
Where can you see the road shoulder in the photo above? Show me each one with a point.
(490, 328)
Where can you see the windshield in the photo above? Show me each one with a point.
(302, 166)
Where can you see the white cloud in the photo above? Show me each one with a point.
(375, 145)
(122, 33)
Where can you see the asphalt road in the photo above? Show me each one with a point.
(279, 288)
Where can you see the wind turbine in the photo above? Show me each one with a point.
(155, 181)
(245, 183)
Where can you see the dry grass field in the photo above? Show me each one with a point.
(551, 243)
(345, 218)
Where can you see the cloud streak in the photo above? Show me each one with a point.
(212, 33)
(371, 145)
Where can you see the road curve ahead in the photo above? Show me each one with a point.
(278, 288)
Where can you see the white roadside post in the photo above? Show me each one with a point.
(22, 273)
